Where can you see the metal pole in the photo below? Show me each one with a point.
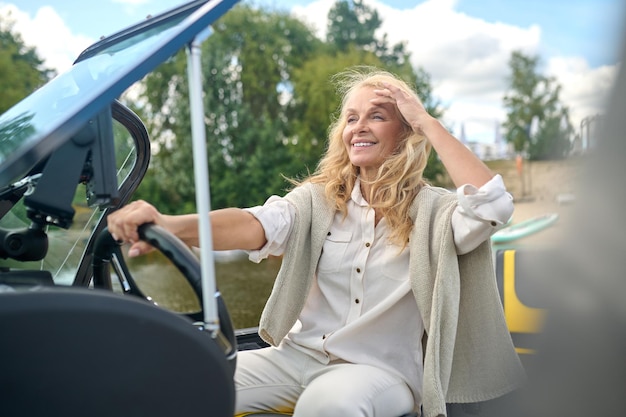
(201, 176)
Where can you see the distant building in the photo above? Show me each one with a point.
(584, 141)
(503, 150)
(485, 151)
(462, 137)
(499, 149)
(587, 139)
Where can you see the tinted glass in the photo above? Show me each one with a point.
(50, 116)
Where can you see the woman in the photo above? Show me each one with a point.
(386, 300)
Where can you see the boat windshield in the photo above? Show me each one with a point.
(32, 129)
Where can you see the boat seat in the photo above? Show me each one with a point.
(87, 352)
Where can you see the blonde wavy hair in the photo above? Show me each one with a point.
(399, 178)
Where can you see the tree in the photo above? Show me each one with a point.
(247, 64)
(22, 71)
(535, 97)
(352, 23)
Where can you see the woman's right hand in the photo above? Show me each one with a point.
(123, 225)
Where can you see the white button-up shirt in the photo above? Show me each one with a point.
(360, 308)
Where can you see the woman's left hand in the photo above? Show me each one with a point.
(409, 105)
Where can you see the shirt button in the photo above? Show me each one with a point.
(323, 336)
(367, 245)
(357, 301)
(494, 224)
(358, 270)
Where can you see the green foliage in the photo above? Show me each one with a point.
(267, 46)
(21, 69)
(552, 141)
(535, 97)
(350, 22)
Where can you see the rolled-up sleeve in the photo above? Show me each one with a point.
(480, 213)
(276, 216)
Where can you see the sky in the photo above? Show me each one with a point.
(464, 45)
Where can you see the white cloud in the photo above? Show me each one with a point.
(316, 14)
(467, 59)
(585, 90)
(47, 32)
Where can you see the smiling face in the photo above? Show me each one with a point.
(371, 133)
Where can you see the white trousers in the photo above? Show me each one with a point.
(284, 379)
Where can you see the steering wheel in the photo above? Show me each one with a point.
(107, 250)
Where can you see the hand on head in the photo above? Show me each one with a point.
(408, 104)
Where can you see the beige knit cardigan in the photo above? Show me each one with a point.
(469, 355)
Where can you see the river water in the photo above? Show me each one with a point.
(244, 285)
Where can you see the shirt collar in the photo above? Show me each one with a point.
(356, 195)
